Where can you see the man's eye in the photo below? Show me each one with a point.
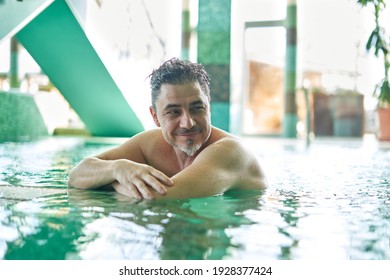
(199, 108)
(174, 112)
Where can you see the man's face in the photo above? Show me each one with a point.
(183, 113)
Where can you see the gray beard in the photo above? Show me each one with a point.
(190, 149)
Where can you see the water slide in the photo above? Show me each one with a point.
(15, 15)
(57, 42)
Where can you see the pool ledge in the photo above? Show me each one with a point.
(10, 192)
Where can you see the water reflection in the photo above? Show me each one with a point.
(177, 229)
(45, 229)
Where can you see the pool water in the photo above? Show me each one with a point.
(327, 201)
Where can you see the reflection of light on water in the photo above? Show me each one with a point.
(333, 191)
(324, 237)
(113, 238)
(30, 163)
(17, 223)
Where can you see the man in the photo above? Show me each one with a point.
(185, 157)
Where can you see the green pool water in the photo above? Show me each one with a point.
(328, 201)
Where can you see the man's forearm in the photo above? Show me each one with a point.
(91, 173)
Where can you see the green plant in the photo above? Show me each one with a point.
(378, 41)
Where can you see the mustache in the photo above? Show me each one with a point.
(186, 131)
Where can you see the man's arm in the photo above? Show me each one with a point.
(222, 166)
(124, 164)
(91, 173)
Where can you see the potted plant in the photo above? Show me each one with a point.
(378, 41)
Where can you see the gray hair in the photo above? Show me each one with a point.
(176, 72)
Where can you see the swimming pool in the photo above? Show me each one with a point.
(328, 201)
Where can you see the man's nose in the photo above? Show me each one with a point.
(187, 121)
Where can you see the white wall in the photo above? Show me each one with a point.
(331, 39)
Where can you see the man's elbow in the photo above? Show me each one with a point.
(72, 181)
(77, 178)
(76, 181)
(78, 184)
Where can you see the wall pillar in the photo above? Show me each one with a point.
(214, 54)
(290, 107)
(14, 64)
(185, 30)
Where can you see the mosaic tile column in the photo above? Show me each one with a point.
(290, 109)
(214, 55)
(186, 30)
(14, 64)
(20, 118)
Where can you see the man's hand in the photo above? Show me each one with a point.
(136, 180)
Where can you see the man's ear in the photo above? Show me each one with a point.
(154, 116)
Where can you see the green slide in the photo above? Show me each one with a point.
(57, 42)
(15, 15)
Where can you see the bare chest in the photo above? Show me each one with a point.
(165, 162)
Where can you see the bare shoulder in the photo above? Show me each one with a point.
(134, 147)
(146, 135)
(226, 145)
(144, 138)
(230, 153)
(229, 148)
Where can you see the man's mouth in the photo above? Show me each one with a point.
(189, 132)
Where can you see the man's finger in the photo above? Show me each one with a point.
(162, 177)
(129, 191)
(155, 184)
(143, 189)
